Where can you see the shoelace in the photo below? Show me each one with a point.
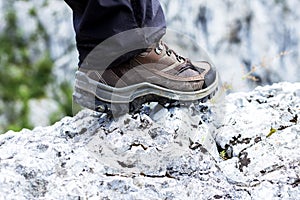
(159, 48)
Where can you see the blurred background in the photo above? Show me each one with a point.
(252, 43)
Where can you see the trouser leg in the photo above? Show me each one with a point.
(97, 20)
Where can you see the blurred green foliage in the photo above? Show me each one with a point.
(26, 71)
(62, 95)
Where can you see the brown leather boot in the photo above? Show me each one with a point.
(157, 74)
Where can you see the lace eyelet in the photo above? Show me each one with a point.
(179, 58)
(169, 53)
(157, 51)
(160, 46)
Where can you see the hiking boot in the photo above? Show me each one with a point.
(158, 74)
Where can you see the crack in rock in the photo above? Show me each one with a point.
(162, 153)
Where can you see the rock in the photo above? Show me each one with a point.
(167, 154)
(264, 136)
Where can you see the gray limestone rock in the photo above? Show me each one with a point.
(172, 153)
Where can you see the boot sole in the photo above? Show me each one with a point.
(103, 98)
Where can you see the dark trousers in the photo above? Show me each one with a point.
(97, 20)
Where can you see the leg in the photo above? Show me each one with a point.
(96, 20)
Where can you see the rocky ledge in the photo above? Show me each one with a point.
(246, 147)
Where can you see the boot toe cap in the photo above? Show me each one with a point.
(210, 77)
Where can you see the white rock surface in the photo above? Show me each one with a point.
(162, 154)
